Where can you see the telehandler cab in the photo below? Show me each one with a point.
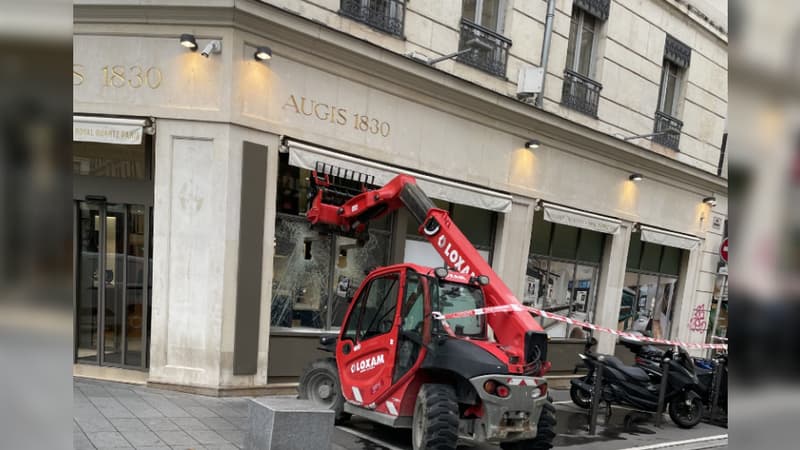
(396, 362)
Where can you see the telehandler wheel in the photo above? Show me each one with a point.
(545, 434)
(320, 384)
(435, 421)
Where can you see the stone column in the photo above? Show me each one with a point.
(612, 280)
(512, 243)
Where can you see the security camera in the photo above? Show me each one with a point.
(212, 47)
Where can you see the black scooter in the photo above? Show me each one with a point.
(639, 388)
(649, 357)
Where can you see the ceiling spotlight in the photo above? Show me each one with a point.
(533, 143)
(187, 40)
(711, 201)
(263, 54)
(636, 177)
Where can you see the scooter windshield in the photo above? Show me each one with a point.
(454, 297)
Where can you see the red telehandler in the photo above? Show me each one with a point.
(477, 378)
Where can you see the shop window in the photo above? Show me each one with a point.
(107, 160)
(563, 272)
(315, 274)
(648, 298)
(477, 224)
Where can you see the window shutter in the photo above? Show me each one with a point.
(597, 8)
(677, 52)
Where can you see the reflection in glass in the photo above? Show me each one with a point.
(647, 304)
(113, 283)
(87, 284)
(134, 295)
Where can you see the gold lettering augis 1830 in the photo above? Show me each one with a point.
(336, 115)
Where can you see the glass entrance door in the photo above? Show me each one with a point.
(113, 284)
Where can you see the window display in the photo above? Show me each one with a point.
(562, 273)
(650, 282)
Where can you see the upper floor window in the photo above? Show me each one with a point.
(481, 28)
(677, 56)
(384, 15)
(580, 50)
(580, 91)
(486, 13)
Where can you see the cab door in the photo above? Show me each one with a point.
(367, 345)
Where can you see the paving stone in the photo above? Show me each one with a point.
(128, 425)
(108, 439)
(189, 423)
(160, 424)
(222, 447)
(81, 442)
(93, 425)
(142, 438)
(156, 447)
(200, 411)
(207, 437)
(173, 438)
(218, 423)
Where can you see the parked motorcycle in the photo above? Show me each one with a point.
(639, 388)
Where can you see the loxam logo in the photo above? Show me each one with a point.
(365, 365)
(451, 254)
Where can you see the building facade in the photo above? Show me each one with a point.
(590, 196)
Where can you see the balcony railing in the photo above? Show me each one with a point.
(489, 49)
(665, 122)
(580, 93)
(384, 15)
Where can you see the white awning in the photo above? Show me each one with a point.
(668, 238)
(581, 219)
(107, 130)
(307, 156)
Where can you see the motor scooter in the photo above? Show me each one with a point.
(638, 388)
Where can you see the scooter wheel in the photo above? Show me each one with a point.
(580, 397)
(686, 415)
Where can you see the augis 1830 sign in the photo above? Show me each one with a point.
(336, 115)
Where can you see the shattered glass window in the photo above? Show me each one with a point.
(301, 280)
(316, 274)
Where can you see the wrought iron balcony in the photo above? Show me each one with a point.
(489, 49)
(665, 122)
(580, 93)
(384, 15)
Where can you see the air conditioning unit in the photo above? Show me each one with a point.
(529, 81)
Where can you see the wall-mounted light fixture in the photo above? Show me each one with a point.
(710, 201)
(636, 177)
(188, 41)
(263, 54)
(532, 144)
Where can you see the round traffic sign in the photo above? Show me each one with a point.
(723, 250)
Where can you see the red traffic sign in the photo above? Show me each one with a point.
(723, 250)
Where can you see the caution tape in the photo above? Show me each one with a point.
(548, 315)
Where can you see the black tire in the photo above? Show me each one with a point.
(686, 416)
(435, 421)
(320, 384)
(546, 431)
(580, 397)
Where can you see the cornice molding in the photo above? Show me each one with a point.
(340, 52)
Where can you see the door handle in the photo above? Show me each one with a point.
(346, 348)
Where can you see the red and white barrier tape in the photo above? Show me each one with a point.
(548, 315)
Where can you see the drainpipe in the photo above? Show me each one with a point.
(548, 33)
